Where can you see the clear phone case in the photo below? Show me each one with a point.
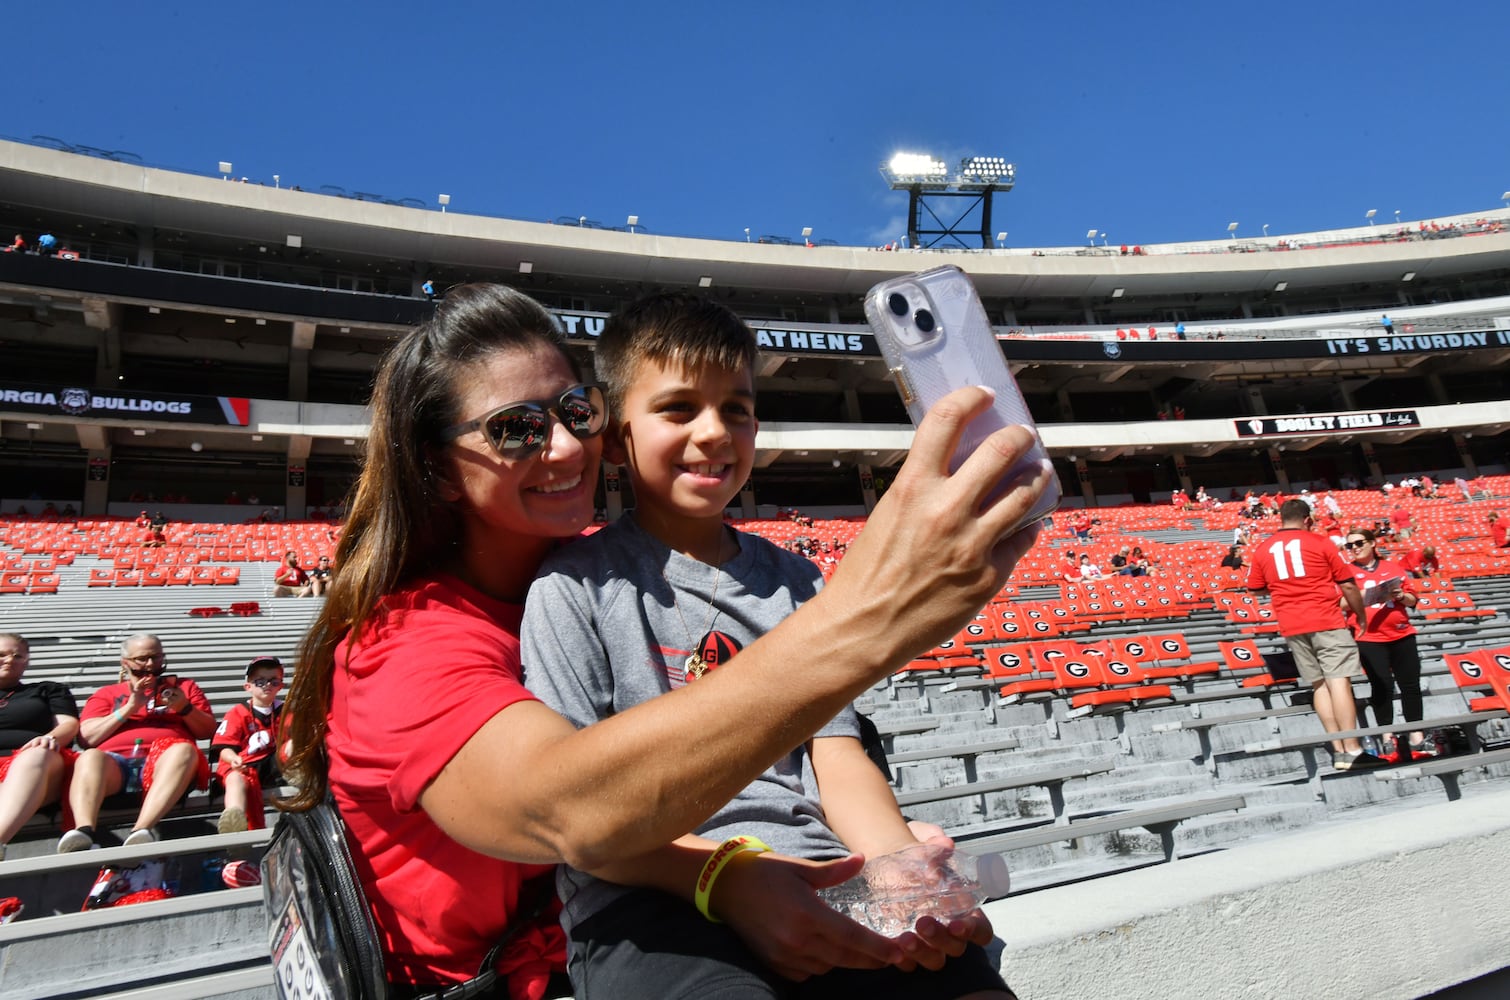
(935, 337)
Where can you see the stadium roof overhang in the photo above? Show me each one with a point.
(149, 201)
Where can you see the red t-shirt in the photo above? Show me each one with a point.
(148, 723)
(1413, 561)
(290, 576)
(424, 678)
(1498, 531)
(1387, 621)
(1400, 518)
(1300, 569)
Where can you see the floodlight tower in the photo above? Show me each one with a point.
(929, 181)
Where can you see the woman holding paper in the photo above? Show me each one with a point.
(1386, 638)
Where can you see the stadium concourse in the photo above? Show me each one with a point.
(1164, 797)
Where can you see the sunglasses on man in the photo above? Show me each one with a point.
(519, 430)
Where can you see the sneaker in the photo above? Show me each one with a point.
(232, 820)
(147, 836)
(75, 840)
(1356, 762)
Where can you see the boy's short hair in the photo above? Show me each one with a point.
(263, 662)
(670, 328)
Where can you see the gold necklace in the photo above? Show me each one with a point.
(694, 666)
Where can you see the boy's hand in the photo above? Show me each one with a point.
(933, 943)
(771, 902)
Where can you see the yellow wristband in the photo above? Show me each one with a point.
(716, 863)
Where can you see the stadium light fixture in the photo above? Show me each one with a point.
(295, 242)
(1266, 229)
(1369, 215)
(705, 281)
(1001, 237)
(807, 232)
(1397, 216)
(747, 234)
(226, 169)
(526, 266)
(1281, 286)
(277, 181)
(444, 200)
(1232, 230)
(140, 432)
(1506, 199)
(1090, 234)
(33, 426)
(920, 170)
(632, 221)
(196, 446)
(1117, 292)
(1408, 276)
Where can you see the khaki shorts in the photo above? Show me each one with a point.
(1319, 655)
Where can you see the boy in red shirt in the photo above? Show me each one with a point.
(245, 747)
(1303, 574)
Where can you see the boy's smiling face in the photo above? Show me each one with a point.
(688, 438)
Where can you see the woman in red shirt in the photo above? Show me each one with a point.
(1387, 641)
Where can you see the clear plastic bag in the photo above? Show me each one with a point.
(925, 880)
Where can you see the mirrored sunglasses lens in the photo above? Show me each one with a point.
(582, 411)
(517, 429)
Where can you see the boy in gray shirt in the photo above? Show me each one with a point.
(659, 599)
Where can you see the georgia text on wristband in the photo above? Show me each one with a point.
(716, 863)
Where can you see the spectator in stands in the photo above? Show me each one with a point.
(289, 579)
(157, 529)
(166, 715)
(69, 511)
(428, 288)
(482, 449)
(1422, 562)
(1120, 564)
(1080, 524)
(608, 625)
(1234, 557)
(46, 244)
(1497, 531)
(37, 723)
(18, 245)
(245, 747)
(1402, 523)
(1303, 574)
(1089, 570)
(319, 577)
(1386, 637)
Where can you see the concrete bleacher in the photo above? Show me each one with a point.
(1072, 798)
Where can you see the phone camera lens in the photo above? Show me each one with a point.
(898, 303)
(924, 320)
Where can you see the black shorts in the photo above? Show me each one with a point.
(652, 944)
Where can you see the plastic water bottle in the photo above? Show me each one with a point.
(1370, 745)
(925, 880)
(134, 765)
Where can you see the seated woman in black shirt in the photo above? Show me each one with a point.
(37, 724)
(1234, 557)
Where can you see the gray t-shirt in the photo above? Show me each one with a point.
(610, 622)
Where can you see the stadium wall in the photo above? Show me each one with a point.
(1401, 905)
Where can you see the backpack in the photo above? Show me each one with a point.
(320, 930)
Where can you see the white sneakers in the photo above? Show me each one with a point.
(147, 836)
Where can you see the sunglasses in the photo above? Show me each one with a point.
(1354, 545)
(266, 682)
(519, 430)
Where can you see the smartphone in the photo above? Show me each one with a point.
(167, 680)
(935, 337)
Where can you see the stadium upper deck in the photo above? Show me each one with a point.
(260, 313)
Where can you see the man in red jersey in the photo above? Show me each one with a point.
(1303, 574)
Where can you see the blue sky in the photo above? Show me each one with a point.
(1150, 122)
